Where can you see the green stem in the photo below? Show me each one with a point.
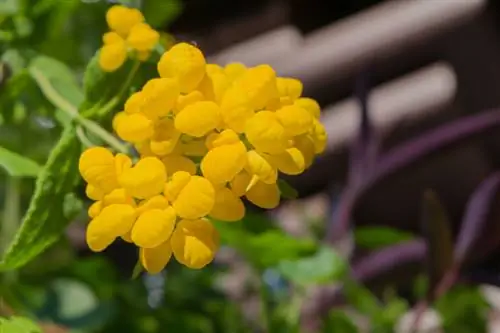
(265, 299)
(56, 99)
(11, 214)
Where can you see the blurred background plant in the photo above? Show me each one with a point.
(325, 262)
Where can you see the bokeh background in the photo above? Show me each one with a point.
(399, 216)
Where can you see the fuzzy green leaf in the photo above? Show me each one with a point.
(45, 220)
(286, 190)
(17, 165)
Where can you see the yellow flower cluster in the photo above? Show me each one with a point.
(207, 136)
(128, 32)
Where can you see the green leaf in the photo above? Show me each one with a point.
(161, 13)
(17, 165)
(338, 321)
(361, 298)
(286, 190)
(44, 222)
(323, 267)
(372, 238)
(138, 269)
(17, 324)
(60, 77)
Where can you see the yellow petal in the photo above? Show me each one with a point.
(289, 89)
(310, 105)
(146, 179)
(196, 199)
(127, 237)
(156, 202)
(290, 162)
(111, 37)
(122, 163)
(184, 62)
(228, 206)
(135, 102)
(319, 136)
(175, 185)
(240, 183)
(222, 163)
(134, 128)
(165, 137)
(94, 192)
(295, 120)
(305, 144)
(234, 70)
(236, 108)
(160, 96)
(118, 196)
(117, 118)
(142, 37)
(121, 19)
(97, 167)
(259, 85)
(113, 221)
(95, 209)
(265, 133)
(112, 56)
(191, 148)
(257, 165)
(153, 227)
(264, 195)
(194, 243)
(188, 99)
(198, 119)
(214, 85)
(174, 163)
(155, 259)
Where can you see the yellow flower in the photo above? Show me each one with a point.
(142, 37)
(192, 197)
(294, 119)
(194, 243)
(225, 160)
(228, 206)
(165, 137)
(290, 162)
(145, 179)
(234, 70)
(260, 194)
(122, 19)
(134, 127)
(188, 99)
(259, 167)
(113, 221)
(319, 137)
(289, 90)
(155, 259)
(153, 227)
(112, 56)
(184, 62)
(266, 133)
(160, 96)
(174, 163)
(198, 119)
(310, 105)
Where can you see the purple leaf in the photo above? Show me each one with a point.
(437, 232)
(476, 217)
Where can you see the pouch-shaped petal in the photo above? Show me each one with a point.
(240, 183)
(259, 85)
(194, 243)
(146, 179)
(259, 166)
(186, 63)
(135, 102)
(134, 127)
(295, 120)
(228, 206)
(266, 133)
(198, 119)
(121, 19)
(142, 37)
(95, 209)
(305, 144)
(236, 108)
(234, 70)
(113, 221)
(111, 37)
(112, 56)
(214, 85)
(174, 163)
(153, 227)
(94, 192)
(155, 259)
(97, 167)
(196, 199)
(191, 148)
(221, 164)
(290, 162)
(264, 195)
(175, 185)
(310, 105)
(188, 99)
(160, 97)
(118, 196)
